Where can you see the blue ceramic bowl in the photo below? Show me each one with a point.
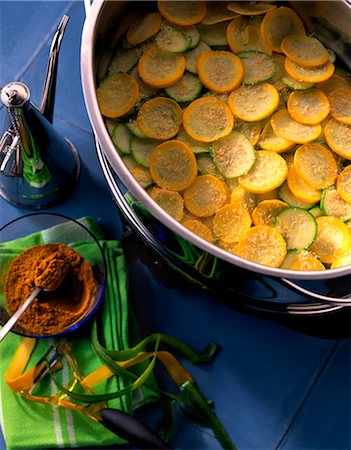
(46, 228)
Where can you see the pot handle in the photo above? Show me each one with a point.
(341, 301)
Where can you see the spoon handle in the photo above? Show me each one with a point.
(18, 314)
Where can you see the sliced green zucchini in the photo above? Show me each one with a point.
(110, 125)
(297, 226)
(333, 205)
(172, 39)
(142, 150)
(145, 91)
(214, 35)
(196, 146)
(259, 66)
(193, 35)
(130, 162)
(288, 197)
(187, 89)
(206, 166)
(316, 211)
(297, 85)
(290, 258)
(143, 176)
(125, 44)
(233, 154)
(303, 259)
(121, 137)
(192, 56)
(133, 127)
(332, 55)
(124, 60)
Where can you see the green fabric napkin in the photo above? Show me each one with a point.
(29, 425)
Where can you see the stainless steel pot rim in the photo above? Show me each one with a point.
(97, 122)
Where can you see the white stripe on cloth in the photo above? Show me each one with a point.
(68, 412)
(2, 423)
(57, 421)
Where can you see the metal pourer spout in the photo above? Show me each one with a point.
(48, 94)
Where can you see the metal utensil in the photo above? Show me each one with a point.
(119, 422)
(19, 313)
(40, 285)
(38, 166)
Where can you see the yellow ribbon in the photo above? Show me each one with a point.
(20, 381)
(171, 364)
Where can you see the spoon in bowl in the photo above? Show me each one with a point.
(49, 276)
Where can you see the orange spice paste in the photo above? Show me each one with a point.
(54, 266)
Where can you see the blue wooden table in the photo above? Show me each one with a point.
(275, 384)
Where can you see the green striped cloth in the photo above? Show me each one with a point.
(29, 425)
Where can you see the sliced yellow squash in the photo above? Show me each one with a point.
(117, 94)
(220, 71)
(160, 118)
(338, 137)
(305, 50)
(182, 12)
(253, 103)
(230, 222)
(309, 74)
(173, 165)
(301, 189)
(143, 28)
(343, 184)
(279, 23)
(333, 239)
(217, 12)
(160, 68)
(171, 201)
(244, 34)
(340, 104)
(266, 211)
(199, 228)
(205, 196)
(316, 165)
(286, 127)
(267, 173)
(207, 119)
(262, 244)
(310, 107)
(268, 140)
(246, 8)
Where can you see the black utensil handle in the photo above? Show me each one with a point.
(131, 429)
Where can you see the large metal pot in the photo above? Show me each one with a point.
(328, 20)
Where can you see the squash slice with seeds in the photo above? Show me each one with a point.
(253, 103)
(207, 119)
(173, 165)
(279, 23)
(220, 71)
(182, 12)
(264, 245)
(160, 68)
(233, 155)
(117, 94)
(160, 118)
